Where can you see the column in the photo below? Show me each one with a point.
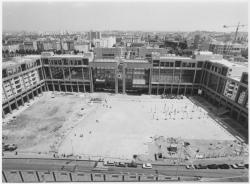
(123, 79)
(172, 80)
(10, 109)
(208, 78)
(116, 80)
(185, 88)
(24, 83)
(64, 80)
(71, 85)
(84, 89)
(32, 93)
(192, 92)
(179, 81)
(91, 80)
(150, 81)
(13, 93)
(3, 114)
(53, 87)
(159, 75)
(22, 99)
(45, 78)
(77, 86)
(59, 85)
(245, 99)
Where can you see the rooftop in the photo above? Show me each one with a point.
(8, 62)
(175, 57)
(106, 60)
(236, 69)
(226, 63)
(135, 61)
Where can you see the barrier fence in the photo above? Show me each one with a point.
(16, 176)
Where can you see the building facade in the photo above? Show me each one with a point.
(214, 77)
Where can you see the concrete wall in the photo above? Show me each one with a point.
(13, 176)
(32, 176)
(80, 176)
(29, 176)
(114, 177)
(46, 176)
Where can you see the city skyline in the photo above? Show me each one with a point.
(143, 16)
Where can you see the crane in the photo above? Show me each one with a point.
(237, 28)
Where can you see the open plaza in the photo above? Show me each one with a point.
(116, 126)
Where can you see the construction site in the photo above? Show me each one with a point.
(144, 128)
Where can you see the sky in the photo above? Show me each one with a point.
(111, 15)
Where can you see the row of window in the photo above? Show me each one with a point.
(176, 64)
(66, 62)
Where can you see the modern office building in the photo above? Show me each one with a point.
(22, 80)
(222, 82)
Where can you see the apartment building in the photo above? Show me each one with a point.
(22, 80)
(227, 49)
(108, 53)
(94, 35)
(222, 88)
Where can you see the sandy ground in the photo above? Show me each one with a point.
(130, 124)
(42, 125)
(119, 126)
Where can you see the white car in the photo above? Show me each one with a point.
(190, 167)
(147, 166)
(109, 163)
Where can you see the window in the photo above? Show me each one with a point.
(18, 86)
(156, 63)
(85, 61)
(177, 63)
(46, 61)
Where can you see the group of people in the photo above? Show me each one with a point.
(171, 112)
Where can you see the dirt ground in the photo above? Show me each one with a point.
(41, 126)
(115, 126)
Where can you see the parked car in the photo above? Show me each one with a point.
(246, 166)
(224, 166)
(132, 164)
(212, 166)
(190, 167)
(109, 163)
(147, 166)
(9, 147)
(240, 166)
(120, 164)
(200, 166)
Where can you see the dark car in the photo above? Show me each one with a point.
(120, 164)
(246, 166)
(9, 147)
(132, 164)
(200, 166)
(212, 166)
(224, 166)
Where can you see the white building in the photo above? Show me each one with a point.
(11, 48)
(81, 47)
(108, 42)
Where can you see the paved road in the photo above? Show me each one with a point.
(87, 166)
